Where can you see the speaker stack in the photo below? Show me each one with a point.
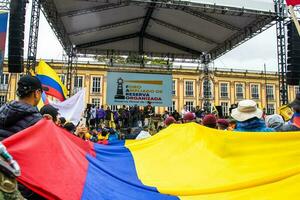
(293, 61)
(16, 36)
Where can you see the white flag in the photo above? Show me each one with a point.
(72, 109)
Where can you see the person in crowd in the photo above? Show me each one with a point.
(141, 117)
(188, 117)
(198, 113)
(276, 122)
(69, 126)
(21, 114)
(222, 124)
(134, 113)
(210, 121)
(51, 111)
(295, 105)
(116, 119)
(249, 118)
(81, 132)
(93, 114)
(165, 115)
(176, 115)
(149, 112)
(100, 116)
(113, 135)
(109, 117)
(87, 114)
(120, 112)
(125, 118)
(61, 121)
(232, 124)
(170, 120)
(184, 111)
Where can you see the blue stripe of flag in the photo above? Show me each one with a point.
(49, 82)
(112, 175)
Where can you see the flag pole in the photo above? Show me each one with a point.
(294, 17)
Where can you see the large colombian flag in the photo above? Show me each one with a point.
(188, 162)
(51, 80)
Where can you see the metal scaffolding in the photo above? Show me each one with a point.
(71, 69)
(33, 35)
(206, 81)
(281, 49)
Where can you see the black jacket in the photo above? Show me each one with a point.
(17, 116)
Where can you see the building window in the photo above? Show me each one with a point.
(4, 81)
(225, 109)
(2, 100)
(96, 85)
(270, 109)
(96, 102)
(78, 83)
(239, 91)
(189, 88)
(207, 89)
(189, 105)
(224, 90)
(62, 77)
(297, 90)
(254, 91)
(173, 108)
(174, 87)
(270, 91)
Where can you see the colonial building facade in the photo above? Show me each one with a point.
(226, 87)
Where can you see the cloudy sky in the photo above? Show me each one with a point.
(251, 55)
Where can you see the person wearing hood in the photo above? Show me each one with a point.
(249, 118)
(19, 115)
(276, 121)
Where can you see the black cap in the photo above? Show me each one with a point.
(28, 84)
(50, 110)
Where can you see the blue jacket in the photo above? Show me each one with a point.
(253, 125)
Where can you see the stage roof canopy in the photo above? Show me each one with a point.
(180, 29)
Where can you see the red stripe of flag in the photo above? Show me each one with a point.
(292, 2)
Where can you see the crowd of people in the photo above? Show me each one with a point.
(102, 126)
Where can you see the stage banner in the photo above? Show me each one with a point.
(3, 30)
(138, 89)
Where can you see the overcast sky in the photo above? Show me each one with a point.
(253, 54)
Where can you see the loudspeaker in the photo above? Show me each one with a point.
(16, 36)
(293, 54)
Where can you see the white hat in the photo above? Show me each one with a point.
(247, 109)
